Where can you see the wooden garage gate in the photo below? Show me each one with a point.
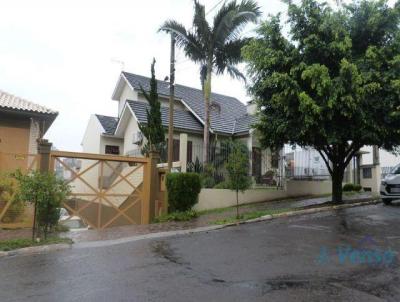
(108, 191)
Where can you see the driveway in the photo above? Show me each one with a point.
(347, 255)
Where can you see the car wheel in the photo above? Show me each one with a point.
(387, 201)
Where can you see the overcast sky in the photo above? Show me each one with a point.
(62, 54)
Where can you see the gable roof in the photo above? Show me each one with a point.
(109, 123)
(244, 123)
(223, 117)
(9, 101)
(182, 119)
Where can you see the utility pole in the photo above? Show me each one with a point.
(171, 103)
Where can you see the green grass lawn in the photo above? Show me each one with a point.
(13, 244)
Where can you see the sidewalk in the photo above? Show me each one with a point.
(205, 219)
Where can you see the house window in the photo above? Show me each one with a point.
(113, 150)
(175, 149)
(189, 152)
(367, 173)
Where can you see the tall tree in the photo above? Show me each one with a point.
(216, 48)
(332, 84)
(153, 130)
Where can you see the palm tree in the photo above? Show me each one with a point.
(216, 49)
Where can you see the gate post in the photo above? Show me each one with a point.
(44, 149)
(150, 187)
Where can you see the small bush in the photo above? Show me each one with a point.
(352, 187)
(183, 190)
(177, 216)
(222, 185)
(348, 187)
(46, 192)
(207, 182)
(9, 192)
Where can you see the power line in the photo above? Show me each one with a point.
(215, 6)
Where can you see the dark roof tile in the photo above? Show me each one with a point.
(182, 119)
(109, 123)
(222, 118)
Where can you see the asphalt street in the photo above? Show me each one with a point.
(344, 255)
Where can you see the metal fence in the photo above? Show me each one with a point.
(305, 164)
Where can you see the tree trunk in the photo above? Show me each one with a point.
(34, 222)
(337, 180)
(171, 103)
(207, 96)
(237, 204)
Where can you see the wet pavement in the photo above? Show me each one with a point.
(343, 255)
(204, 219)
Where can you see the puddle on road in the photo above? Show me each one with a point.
(164, 250)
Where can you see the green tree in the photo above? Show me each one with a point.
(333, 83)
(47, 193)
(153, 130)
(216, 48)
(238, 170)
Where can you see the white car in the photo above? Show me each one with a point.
(390, 186)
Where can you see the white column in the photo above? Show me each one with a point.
(250, 148)
(183, 139)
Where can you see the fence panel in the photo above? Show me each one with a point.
(106, 191)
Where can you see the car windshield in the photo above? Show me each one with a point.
(395, 170)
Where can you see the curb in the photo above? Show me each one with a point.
(305, 211)
(36, 250)
(102, 243)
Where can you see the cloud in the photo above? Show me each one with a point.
(59, 54)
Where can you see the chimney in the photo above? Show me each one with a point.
(251, 108)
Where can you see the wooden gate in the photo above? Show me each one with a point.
(107, 190)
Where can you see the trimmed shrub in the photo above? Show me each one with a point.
(351, 188)
(222, 185)
(348, 187)
(183, 190)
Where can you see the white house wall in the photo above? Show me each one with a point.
(131, 128)
(127, 94)
(112, 141)
(91, 138)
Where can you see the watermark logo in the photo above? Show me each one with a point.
(366, 251)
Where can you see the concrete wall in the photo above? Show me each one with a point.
(371, 184)
(34, 134)
(220, 198)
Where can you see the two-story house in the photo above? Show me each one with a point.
(120, 134)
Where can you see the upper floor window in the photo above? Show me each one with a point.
(113, 150)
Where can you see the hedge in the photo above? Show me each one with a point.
(351, 187)
(183, 191)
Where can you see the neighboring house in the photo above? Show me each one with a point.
(22, 123)
(121, 134)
